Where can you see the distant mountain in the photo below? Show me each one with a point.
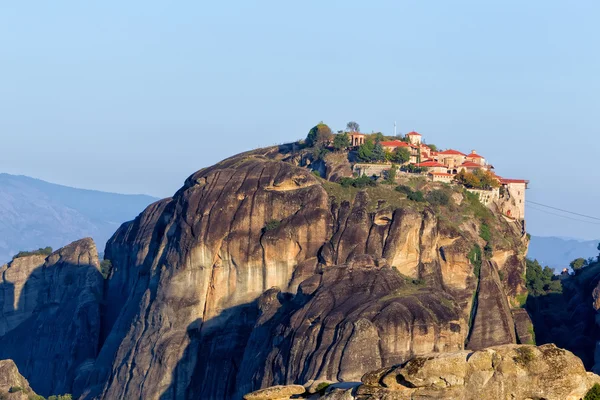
(34, 214)
(558, 252)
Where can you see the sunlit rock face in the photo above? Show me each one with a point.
(190, 310)
(50, 320)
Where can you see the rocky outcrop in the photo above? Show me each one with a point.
(496, 373)
(258, 273)
(346, 321)
(13, 386)
(52, 319)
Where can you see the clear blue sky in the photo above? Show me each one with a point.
(133, 96)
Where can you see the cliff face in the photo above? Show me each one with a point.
(363, 280)
(501, 372)
(50, 320)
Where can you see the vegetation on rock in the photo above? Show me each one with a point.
(46, 251)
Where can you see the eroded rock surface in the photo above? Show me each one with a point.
(496, 373)
(256, 272)
(52, 326)
(13, 386)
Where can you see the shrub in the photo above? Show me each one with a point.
(438, 198)
(322, 387)
(474, 257)
(524, 355)
(15, 389)
(400, 155)
(593, 393)
(484, 232)
(360, 182)
(46, 251)
(404, 189)
(341, 141)
(390, 177)
(417, 196)
(319, 134)
(410, 194)
(105, 268)
(316, 173)
(413, 168)
(272, 225)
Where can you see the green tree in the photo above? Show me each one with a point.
(390, 177)
(578, 264)
(433, 147)
(319, 134)
(365, 151)
(593, 393)
(341, 141)
(400, 155)
(353, 126)
(438, 198)
(378, 152)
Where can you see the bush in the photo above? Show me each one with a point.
(316, 173)
(417, 196)
(593, 393)
(410, 194)
(272, 225)
(404, 189)
(15, 389)
(360, 182)
(341, 141)
(390, 177)
(61, 397)
(319, 134)
(484, 232)
(474, 257)
(105, 268)
(413, 169)
(46, 251)
(524, 355)
(438, 198)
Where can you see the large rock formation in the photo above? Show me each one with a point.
(13, 386)
(363, 280)
(50, 320)
(497, 373)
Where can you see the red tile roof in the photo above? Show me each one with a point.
(430, 164)
(395, 143)
(413, 133)
(474, 155)
(469, 164)
(506, 181)
(451, 152)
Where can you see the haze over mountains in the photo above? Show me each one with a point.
(35, 213)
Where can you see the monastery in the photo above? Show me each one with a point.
(443, 166)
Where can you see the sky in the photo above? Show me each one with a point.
(133, 97)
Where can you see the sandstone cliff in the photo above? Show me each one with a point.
(13, 386)
(364, 279)
(497, 373)
(50, 319)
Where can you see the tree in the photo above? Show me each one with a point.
(478, 179)
(577, 264)
(400, 155)
(433, 147)
(378, 152)
(319, 134)
(365, 151)
(593, 393)
(390, 177)
(353, 126)
(341, 141)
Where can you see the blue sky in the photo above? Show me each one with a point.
(134, 96)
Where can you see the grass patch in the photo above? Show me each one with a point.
(524, 355)
(46, 251)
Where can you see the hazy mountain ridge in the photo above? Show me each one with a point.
(35, 213)
(558, 252)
